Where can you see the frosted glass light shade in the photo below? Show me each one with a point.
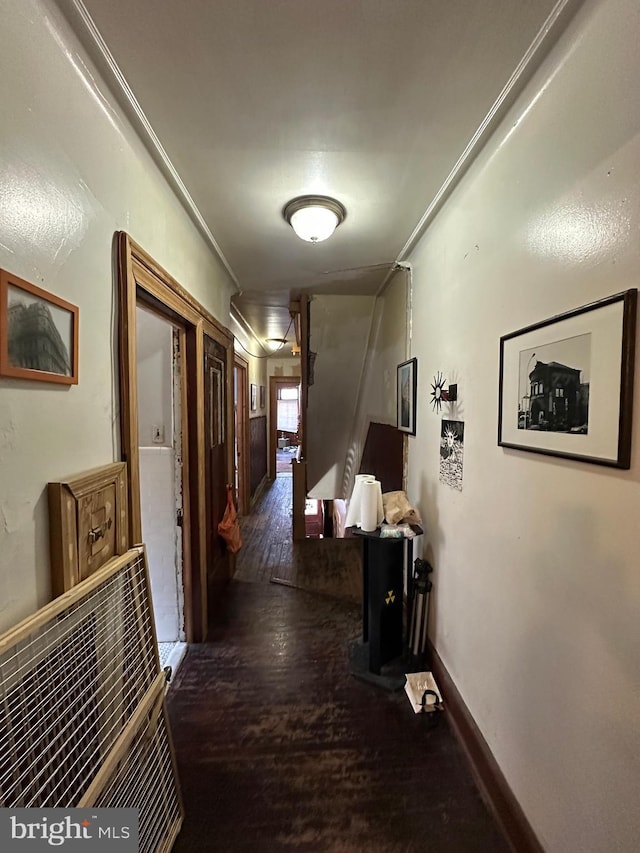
(314, 218)
(314, 224)
(275, 344)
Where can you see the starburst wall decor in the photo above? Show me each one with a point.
(439, 393)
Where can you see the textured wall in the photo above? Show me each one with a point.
(537, 581)
(72, 173)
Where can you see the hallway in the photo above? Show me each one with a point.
(279, 748)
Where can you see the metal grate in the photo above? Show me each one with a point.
(71, 678)
(144, 779)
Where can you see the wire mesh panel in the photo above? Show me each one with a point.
(71, 678)
(144, 778)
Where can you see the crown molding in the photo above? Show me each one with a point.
(241, 321)
(545, 39)
(86, 30)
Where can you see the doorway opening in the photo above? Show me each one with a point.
(285, 418)
(160, 436)
(142, 280)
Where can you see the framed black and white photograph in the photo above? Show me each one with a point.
(254, 397)
(566, 383)
(38, 333)
(406, 395)
(262, 397)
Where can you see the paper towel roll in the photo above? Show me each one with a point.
(369, 503)
(354, 511)
(380, 504)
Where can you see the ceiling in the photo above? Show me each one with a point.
(381, 104)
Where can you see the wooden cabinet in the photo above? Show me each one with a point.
(88, 523)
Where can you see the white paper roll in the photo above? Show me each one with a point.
(354, 511)
(369, 504)
(380, 504)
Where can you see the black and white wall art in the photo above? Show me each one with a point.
(566, 383)
(452, 453)
(553, 392)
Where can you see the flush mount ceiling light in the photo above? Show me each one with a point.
(314, 217)
(274, 344)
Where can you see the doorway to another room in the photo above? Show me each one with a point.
(284, 412)
(159, 374)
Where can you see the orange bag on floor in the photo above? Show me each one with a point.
(229, 527)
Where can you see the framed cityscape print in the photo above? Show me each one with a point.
(566, 383)
(254, 397)
(38, 333)
(262, 397)
(406, 396)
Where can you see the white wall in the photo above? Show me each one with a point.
(72, 172)
(339, 332)
(537, 570)
(158, 508)
(154, 343)
(283, 366)
(386, 349)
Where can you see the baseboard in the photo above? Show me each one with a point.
(490, 779)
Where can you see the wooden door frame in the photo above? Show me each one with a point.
(244, 473)
(276, 382)
(140, 278)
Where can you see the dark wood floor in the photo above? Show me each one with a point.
(279, 748)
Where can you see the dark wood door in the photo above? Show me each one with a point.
(215, 406)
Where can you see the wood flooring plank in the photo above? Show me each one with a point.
(279, 748)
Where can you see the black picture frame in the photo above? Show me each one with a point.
(254, 397)
(262, 397)
(406, 395)
(566, 383)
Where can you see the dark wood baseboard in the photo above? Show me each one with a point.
(490, 779)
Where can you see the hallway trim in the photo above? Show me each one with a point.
(493, 786)
(142, 281)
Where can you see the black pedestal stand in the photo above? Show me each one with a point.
(377, 658)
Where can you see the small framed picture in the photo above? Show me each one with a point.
(254, 397)
(406, 395)
(262, 400)
(38, 333)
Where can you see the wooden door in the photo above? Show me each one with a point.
(241, 450)
(216, 438)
